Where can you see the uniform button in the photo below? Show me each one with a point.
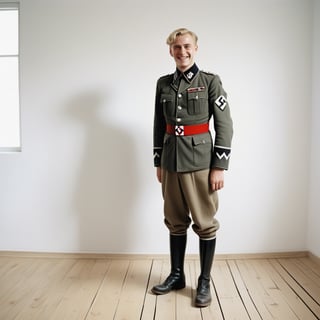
(179, 108)
(178, 119)
(164, 100)
(203, 141)
(179, 95)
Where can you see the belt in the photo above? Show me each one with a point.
(179, 130)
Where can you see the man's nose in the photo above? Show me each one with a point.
(183, 50)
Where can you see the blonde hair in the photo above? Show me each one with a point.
(180, 32)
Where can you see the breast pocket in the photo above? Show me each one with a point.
(197, 102)
(167, 102)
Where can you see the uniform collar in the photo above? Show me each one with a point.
(188, 74)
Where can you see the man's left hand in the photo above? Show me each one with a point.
(216, 179)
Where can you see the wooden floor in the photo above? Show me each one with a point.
(119, 288)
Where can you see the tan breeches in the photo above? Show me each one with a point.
(188, 194)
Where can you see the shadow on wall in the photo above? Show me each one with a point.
(106, 188)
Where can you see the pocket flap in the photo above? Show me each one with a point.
(165, 98)
(196, 140)
(197, 95)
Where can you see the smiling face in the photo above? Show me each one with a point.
(183, 50)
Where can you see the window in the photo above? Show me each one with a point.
(9, 77)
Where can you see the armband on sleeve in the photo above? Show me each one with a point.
(157, 156)
(220, 157)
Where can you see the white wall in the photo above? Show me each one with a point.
(85, 182)
(314, 217)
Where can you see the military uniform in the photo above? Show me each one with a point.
(184, 147)
(186, 152)
(189, 99)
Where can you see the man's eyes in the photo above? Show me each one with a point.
(187, 46)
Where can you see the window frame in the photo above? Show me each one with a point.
(14, 5)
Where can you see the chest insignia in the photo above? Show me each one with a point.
(197, 89)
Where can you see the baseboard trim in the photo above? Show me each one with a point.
(314, 258)
(238, 256)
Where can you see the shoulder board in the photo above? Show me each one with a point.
(166, 76)
(209, 73)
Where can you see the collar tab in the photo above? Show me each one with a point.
(188, 74)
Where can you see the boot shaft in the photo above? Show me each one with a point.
(207, 250)
(177, 252)
(176, 278)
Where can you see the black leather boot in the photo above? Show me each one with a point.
(207, 249)
(176, 279)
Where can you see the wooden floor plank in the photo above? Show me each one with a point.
(243, 291)
(83, 281)
(305, 277)
(134, 290)
(44, 298)
(13, 273)
(291, 298)
(17, 286)
(149, 307)
(311, 265)
(5, 265)
(230, 301)
(106, 303)
(185, 309)
(166, 304)
(276, 303)
(255, 289)
(297, 288)
(310, 273)
(95, 289)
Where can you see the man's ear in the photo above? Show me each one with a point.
(170, 51)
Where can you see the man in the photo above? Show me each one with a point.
(189, 163)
